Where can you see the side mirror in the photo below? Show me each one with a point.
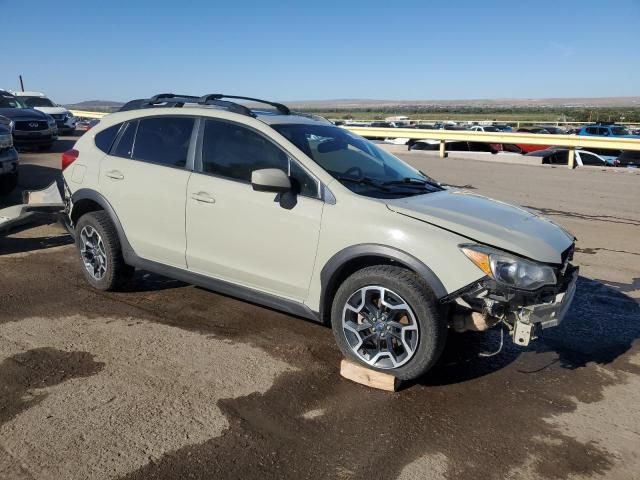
(270, 180)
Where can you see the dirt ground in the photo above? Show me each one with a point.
(171, 381)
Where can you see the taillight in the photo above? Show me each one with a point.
(69, 157)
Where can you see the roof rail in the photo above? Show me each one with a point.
(216, 99)
(172, 98)
(283, 109)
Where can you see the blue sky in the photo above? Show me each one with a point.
(324, 49)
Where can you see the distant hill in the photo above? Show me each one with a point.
(363, 103)
(596, 102)
(96, 105)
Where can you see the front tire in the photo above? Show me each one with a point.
(100, 252)
(387, 318)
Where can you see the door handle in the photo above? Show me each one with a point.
(115, 174)
(203, 197)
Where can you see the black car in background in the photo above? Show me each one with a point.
(30, 127)
(628, 158)
(8, 158)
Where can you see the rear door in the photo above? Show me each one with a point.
(261, 240)
(145, 178)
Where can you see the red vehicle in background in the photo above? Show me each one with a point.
(525, 148)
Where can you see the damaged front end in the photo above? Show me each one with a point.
(523, 301)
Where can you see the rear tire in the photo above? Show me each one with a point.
(8, 183)
(408, 328)
(100, 252)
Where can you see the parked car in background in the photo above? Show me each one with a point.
(628, 158)
(454, 146)
(503, 127)
(542, 130)
(484, 128)
(30, 127)
(560, 156)
(525, 148)
(86, 124)
(8, 158)
(552, 130)
(606, 129)
(65, 121)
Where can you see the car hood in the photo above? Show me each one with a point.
(23, 114)
(488, 221)
(51, 110)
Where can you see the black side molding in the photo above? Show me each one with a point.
(335, 264)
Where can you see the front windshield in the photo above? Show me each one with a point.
(357, 163)
(619, 131)
(32, 102)
(9, 101)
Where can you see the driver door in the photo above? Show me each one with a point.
(248, 237)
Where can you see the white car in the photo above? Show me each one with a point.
(290, 211)
(65, 120)
(484, 128)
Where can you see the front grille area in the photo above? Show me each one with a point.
(32, 126)
(58, 116)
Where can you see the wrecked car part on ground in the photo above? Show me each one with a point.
(44, 205)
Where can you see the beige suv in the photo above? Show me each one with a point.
(289, 211)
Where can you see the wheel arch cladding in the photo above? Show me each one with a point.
(351, 259)
(88, 201)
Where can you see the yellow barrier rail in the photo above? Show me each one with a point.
(571, 142)
(86, 114)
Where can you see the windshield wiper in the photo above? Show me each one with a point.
(364, 181)
(413, 182)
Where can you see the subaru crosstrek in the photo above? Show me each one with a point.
(290, 211)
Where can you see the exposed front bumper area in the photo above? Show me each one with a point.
(486, 303)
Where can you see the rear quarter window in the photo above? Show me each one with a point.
(105, 138)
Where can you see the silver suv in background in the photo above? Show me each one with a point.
(292, 212)
(65, 121)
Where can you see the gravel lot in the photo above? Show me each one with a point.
(170, 381)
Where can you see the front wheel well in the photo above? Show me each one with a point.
(346, 270)
(82, 207)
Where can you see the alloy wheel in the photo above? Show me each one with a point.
(380, 327)
(93, 253)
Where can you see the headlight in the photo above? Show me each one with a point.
(509, 269)
(6, 140)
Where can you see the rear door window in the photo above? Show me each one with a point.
(592, 130)
(163, 140)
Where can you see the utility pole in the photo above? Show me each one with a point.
(21, 83)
